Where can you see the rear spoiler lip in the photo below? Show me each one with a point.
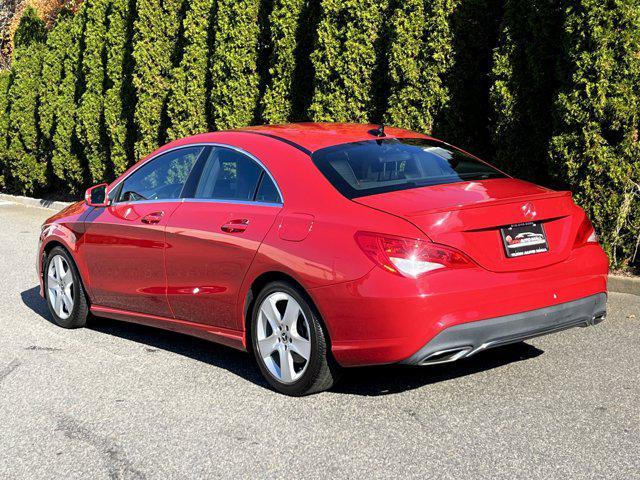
(485, 203)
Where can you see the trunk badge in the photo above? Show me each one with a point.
(529, 210)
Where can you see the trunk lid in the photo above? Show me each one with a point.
(468, 216)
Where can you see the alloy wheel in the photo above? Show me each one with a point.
(283, 337)
(60, 286)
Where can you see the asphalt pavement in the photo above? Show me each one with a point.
(123, 401)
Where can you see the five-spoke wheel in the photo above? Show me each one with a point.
(64, 290)
(283, 337)
(289, 342)
(60, 286)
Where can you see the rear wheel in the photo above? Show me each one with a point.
(64, 291)
(289, 343)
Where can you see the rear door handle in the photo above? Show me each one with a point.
(152, 218)
(238, 225)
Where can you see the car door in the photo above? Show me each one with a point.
(124, 243)
(213, 236)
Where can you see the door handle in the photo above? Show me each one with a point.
(238, 225)
(152, 218)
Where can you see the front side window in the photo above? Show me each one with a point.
(161, 178)
(228, 175)
(378, 166)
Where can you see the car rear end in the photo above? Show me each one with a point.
(495, 261)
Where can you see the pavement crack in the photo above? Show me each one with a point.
(118, 465)
(6, 371)
(43, 349)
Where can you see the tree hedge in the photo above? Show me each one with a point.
(595, 147)
(26, 162)
(187, 102)
(120, 95)
(58, 109)
(278, 101)
(91, 125)
(156, 51)
(525, 78)
(419, 56)
(345, 59)
(5, 85)
(234, 75)
(548, 90)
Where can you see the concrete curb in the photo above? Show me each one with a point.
(621, 284)
(34, 202)
(615, 283)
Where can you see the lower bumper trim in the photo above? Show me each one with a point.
(467, 339)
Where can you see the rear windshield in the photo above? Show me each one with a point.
(378, 166)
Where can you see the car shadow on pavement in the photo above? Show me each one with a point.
(365, 381)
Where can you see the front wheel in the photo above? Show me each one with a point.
(64, 290)
(289, 342)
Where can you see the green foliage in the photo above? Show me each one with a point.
(234, 77)
(525, 80)
(420, 54)
(57, 105)
(91, 126)
(595, 148)
(464, 120)
(5, 85)
(187, 103)
(549, 90)
(278, 102)
(345, 59)
(31, 29)
(119, 96)
(27, 167)
(155, 51)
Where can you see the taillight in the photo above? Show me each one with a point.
(586, 234)
(409, 257)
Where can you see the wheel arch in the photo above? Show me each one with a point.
(254, 289)
(52, 243)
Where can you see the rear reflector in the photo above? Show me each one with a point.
(409, 257)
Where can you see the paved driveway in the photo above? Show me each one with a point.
(123, 401)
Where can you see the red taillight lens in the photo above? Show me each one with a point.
(586, 234)
(409, 257)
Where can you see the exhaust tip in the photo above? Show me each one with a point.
(446, 356)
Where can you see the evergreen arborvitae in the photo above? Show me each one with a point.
(595, 149)
(91, 129)
(119, 96)
(5, 85)
(25, 157)
(524, 82)
(155, 49)
(345, 59)
(464, 122)
(187, 103)
(277, 102)
(420, 54)
(57, 105)
(234, 76)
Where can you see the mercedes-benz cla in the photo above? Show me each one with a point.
(320, 246)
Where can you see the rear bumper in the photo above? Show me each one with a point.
(464, 340)
(384, 318)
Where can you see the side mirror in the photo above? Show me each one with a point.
(96, 196)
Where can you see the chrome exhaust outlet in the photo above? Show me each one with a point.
(446, 356)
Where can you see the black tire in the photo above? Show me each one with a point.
(321, 371)
(78, 316)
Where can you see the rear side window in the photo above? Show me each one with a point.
(228, 175)
(378, 166)
(161, 178)
(267, 191)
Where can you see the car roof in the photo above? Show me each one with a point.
(310, 137)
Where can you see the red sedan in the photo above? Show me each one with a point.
(320, 246)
